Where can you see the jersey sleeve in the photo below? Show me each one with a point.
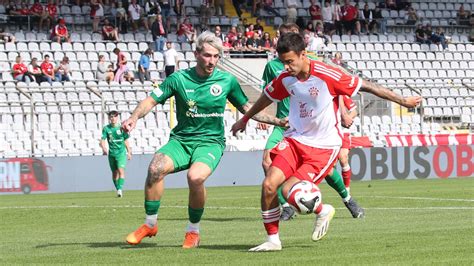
(268, 75)
(165, 90)
(236, 96)
(339, 82)
(104, 133)
(125, 135)
(275, 90)
(349, 103)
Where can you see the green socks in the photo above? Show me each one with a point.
(115, 183)
(195, 214)
(120, 183)
(335, 181)
(281, 199)
(152, 206)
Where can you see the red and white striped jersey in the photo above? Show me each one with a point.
(350, 106)
(314, 116)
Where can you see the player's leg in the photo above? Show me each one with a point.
(168, 159)
(284, 162)
(121, 163)
(346, 168)
(204, 160)
(113, 168)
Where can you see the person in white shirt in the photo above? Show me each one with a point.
(136, 14)
(328, 21)
(171, 59)
(312, 142)
(337, 16)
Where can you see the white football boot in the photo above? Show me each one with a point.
(267, 246)
(321, 224)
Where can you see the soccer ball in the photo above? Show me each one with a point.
(304, 197)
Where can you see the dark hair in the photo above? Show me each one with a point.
(290, 42)
(116, 50)
(113, 114)
(288, 27)
(46, 56)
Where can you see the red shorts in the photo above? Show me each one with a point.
(302, 161)
(346, 141)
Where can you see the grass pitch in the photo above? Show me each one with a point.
(407, 222)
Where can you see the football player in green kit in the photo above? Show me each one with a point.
(197, 142)
(118, 151)
(334, 179)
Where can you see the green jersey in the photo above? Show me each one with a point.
(200, 103)
(273, 70)
(115, 137)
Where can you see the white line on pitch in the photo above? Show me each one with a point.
(419, 198)
(224, 207)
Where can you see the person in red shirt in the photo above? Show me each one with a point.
(20, 71)
(47, 69)
(315, 12)
(186, 31)
(60, 32)
(109, 32)
(36, 12)
(51, 12)
(349, 17)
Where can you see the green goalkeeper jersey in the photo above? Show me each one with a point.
(116, 137)
(272, 70)
(200, 103)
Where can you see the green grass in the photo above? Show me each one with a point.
(407, 222)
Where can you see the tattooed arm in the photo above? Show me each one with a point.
(140, 111)
(384, 93)
(261, 116)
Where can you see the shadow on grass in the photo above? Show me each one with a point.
(242, 248)
(121, 245)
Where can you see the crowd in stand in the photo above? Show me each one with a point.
(44, 72)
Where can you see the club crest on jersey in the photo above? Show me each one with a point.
(216, 90)
(118, 132)
(313, 92)
(282, 145)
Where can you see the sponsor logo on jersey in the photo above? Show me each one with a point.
(311, 175)
(216, 90)
(304, 112)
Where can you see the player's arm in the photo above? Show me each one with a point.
(129, 150)
(253, 112)
(143, 108)
(346, 119)
(384, 93)
(104, 147)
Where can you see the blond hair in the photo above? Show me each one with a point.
(209, 38)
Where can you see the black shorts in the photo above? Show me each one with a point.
(169, 70)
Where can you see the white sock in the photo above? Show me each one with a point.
(275, 239)
(346, 199)
(286, 204)
(151, 220)
(193, 227)
(347, 168)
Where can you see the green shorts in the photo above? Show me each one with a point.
(184, 154)
(117, 161)
(274, 138)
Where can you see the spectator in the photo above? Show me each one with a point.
(144, 65)
(463, 16)
(135, 12)
(275, 39)
(159, 33)
(439, 38)
(166, 10)
(6, 36)
(219, 33)
(205, 12)
(97, 12)
(109, 32)
(122, 69)
(338, 59)
(316, 14)
(38, 14)
(349, 17)
(309, 27)
(266, 43)
(249, 31)
(253, 43)
(20, 71)
(236, 4)
(177, 8)
(35, 70)
(227, 44)
(428, 31)
(51, 13)
(315, 42)
(411, 16)
(291, 12)
(337, 17)
(366, 18)
(19, 15)
(47, 69)
(258, 27)
(327, 15)
(379, 21)
(232, 34)
(219, 7)
(420, 35)
(105, 71)
(152, 9)
(121, 18)
(391, 4)
(186, 31)
(60, 32)
(267, 5)
(63, 69)
(171, 59)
